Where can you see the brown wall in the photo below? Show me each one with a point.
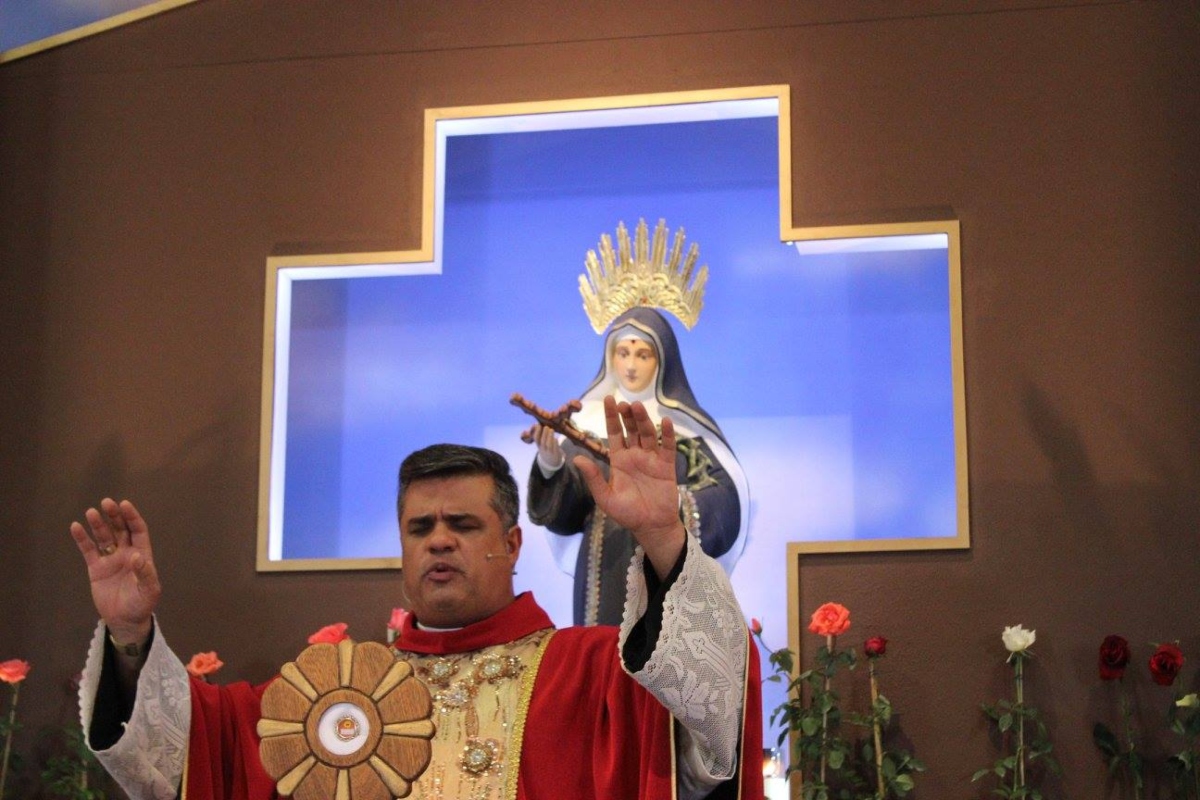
(147, 173)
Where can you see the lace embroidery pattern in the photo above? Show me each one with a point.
(148, 760)
(698, 667)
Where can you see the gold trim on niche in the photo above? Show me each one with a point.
(425, 254)
(92, 28)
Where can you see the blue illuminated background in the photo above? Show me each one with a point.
(828, 370)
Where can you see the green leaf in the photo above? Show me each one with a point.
(903, 784)
(836, 759)
(1005, 722)
(979, 774)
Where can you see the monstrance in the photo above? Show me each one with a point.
(346, 722)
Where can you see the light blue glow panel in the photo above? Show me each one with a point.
(26, 21)
(829, 369)
(827, 364)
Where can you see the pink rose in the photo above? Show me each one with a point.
(875, 646)
(13, 671)
(830, 619)
(204, 664)
(1114, 656)
(1166, 663)
(330, 634)
(755, 626)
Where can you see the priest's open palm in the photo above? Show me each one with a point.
(116, 548)
(641, 493)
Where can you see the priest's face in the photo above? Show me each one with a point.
(635, 361)
(458, 556)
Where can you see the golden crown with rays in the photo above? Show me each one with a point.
(642, 275)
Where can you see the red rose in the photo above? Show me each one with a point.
(14, 670)
(204, 664)
(330, 634)
(875, 646)
(755, 626)
(1114, 655)
(830, 619)
(1166, 663)
(396, 623)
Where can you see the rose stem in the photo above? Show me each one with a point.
(1020, 722)
(875, 724)
(825, 713)
(1127, 712)
(12, 721)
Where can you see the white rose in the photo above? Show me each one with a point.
(1017, 639)
(1188, 701)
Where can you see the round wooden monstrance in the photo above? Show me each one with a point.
(346, 722)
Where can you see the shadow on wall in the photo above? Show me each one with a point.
(1072, 471)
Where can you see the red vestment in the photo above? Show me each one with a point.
(591, 730)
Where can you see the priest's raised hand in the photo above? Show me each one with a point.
(125, 588)
(641, 493)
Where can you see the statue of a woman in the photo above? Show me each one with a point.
(640, 361)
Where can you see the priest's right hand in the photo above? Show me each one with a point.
(120, 564)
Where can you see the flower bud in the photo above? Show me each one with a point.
(1017, 639)
(1114, 656)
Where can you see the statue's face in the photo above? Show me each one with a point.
(635, 363)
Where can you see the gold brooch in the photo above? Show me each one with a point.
(479, 756)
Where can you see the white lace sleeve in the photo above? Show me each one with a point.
(698, 667)
(147, 761)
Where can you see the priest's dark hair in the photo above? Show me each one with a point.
(445, 460)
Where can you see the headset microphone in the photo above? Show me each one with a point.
(506, 554)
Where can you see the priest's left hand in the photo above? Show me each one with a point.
(641, 493)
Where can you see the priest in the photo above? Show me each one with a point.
(665, 706)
